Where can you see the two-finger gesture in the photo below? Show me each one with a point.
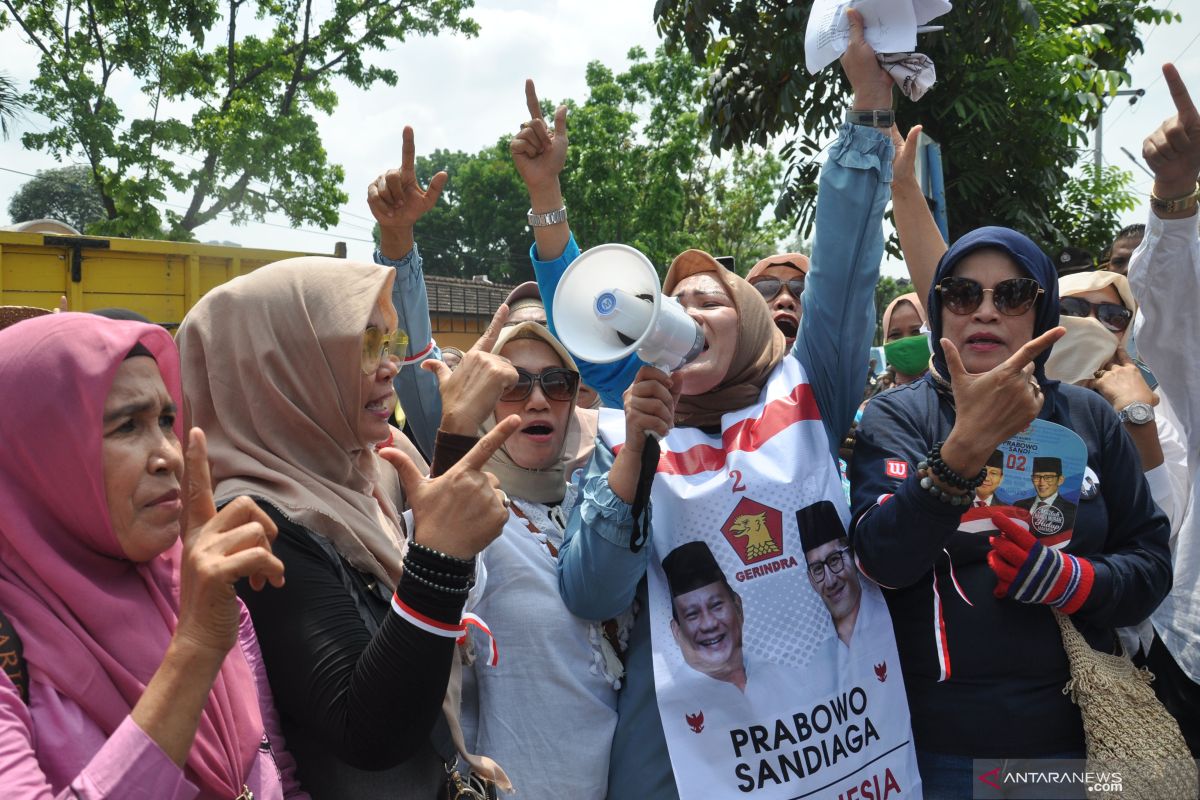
(219, 549)
(1173, 150)
(461, 511)
(469, 393)
(992, 406)
(396, 197)
(539, 151)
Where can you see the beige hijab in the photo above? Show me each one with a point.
(910, 298)
(1081, 282)
(760, 345)
(547, 485)
(271, 373)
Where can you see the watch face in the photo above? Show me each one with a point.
(1139, 413)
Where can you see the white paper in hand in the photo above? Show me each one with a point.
(890, 27)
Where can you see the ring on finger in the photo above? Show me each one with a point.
(524, 125)
(1098, 374)
(504, 499)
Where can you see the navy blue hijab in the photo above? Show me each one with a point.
(1029, 258)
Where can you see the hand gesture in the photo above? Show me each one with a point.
(469, 393)
(871, 83)
(460, 512)
(219, 548)
(649, 407)
(904, 163)
(1120, 382)
(396, 198)
(539, 152)
(992, 406)
(1173, 151)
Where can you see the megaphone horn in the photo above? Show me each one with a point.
(609, 304)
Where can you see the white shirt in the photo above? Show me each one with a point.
(1165, 275)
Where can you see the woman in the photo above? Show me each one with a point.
(145, 679)
(291, 368)
(780, 280)
(986, 680)
(905, 346)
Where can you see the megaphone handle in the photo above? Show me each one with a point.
(641, 495)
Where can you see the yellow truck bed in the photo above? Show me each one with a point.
(160, 280)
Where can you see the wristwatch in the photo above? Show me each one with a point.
(875, 118)
(1171, 205)
(1137, 413)
(547, 219)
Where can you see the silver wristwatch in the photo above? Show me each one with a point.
(1137, 413)
(547, 219)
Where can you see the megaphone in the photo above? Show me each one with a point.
(609, 304)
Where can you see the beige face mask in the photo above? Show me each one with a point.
(1087, 347)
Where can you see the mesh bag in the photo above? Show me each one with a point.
(1126, 728)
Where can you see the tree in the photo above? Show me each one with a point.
(1090, 207)
(1019, 87)
(65, 194)
(10, 103)
(732, 202)
(250, 78)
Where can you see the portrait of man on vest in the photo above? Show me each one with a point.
(1051, 513)
(831, 569)
(706, 614)
(985, 495)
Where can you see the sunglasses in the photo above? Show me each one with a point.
(1113, 316)
(558, 383)
(1012, 297)
(378, 345)
(769, 287)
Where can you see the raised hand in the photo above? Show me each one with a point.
(1173, 150)
(904, 163)
(461, 511)
(871, 83)
(992, 406)
(397, 200)
(219, 549)
(469, 393)
(538, 151)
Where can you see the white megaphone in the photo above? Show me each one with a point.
(609, 304)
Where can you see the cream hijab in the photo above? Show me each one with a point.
(760, 345)
(549, 485)
(271, 373)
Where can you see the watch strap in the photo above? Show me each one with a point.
(1143, 410)
(1172, 205)
(872, 118)
(547, 219)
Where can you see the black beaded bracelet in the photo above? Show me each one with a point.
(438, 587)
(956, 500)
(433, 574)
(429, 551)
(948, 476)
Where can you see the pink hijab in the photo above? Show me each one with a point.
(95, 626)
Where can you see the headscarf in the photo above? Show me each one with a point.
(760, 344)
(547, 485)
(797, 261)
(910, 298)
(1030, 259)
(272, 365)
(94, 625)
(1088, 344)
(1082, 282)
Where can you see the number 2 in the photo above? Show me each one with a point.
(736, 475)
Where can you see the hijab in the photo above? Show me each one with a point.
(760, 345)
(272, 365)
(797, 261)
(94, 625)
(910, 298)
(549, 485)
(1029, 259)
(1088, 344)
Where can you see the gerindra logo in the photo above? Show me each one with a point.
(754, 531)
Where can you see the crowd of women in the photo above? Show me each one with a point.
(224, 573)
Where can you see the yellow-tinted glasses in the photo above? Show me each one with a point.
(379, 344)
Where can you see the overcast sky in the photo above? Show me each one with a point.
(461, 93)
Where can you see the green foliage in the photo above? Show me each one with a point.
(10, 103)
(636, 172)
(65, 194)
(1091, 206)
(1019, 87)
(250, 145)
(886, 290)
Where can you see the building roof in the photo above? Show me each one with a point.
(460, 296)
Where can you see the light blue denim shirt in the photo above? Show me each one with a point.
(598, 575)
(416, 387)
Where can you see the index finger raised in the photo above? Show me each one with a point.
(531, 100)
(488, 340)
(1034, 348)
(478, 455)
(1179, 93)
(408, 151)
(198, 505)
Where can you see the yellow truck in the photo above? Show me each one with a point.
(44, 260)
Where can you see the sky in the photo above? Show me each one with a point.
(460, 93)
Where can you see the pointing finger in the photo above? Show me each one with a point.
(199, 507)
(1179, 94)
(478, 455)
(488, 340)
(409, 151)
(1034, 348)
(531, 100)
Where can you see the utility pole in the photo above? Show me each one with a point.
(1133, 95)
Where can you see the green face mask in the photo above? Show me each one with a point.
(910, 355)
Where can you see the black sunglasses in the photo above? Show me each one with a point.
(1012, 297)
(558, 383)
(1113, 316)
(769, 287)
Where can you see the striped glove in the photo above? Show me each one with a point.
(1032, 573)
